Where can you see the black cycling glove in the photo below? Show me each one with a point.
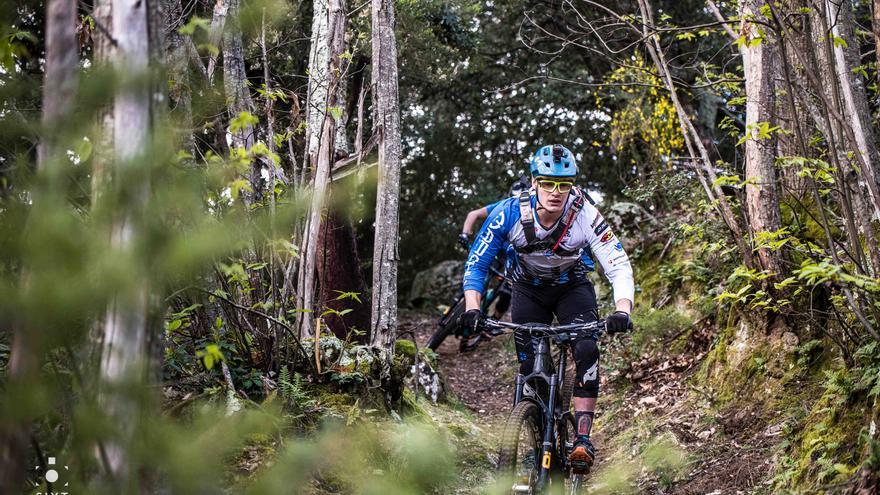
(619, 321)
(471, 322)
(464, 240)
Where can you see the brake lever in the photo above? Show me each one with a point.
(494, 332)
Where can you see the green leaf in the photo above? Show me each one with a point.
(335, 112)
(838, 41)
(242, 121)
(83, 149)
(686, 36)
(174, 325)
(218, 323)
(194, 24)
(210, 48)
(211, 354)
(347, 295)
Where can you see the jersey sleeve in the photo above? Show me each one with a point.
(608, 251)
(489, 242)
(492, 206)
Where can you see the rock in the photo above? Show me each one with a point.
(789, 342)
(437, 285)
(429, 382)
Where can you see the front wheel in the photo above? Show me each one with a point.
(447, 325)
(519, 456)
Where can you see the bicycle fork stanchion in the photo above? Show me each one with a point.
(518, 389)
(547, 445)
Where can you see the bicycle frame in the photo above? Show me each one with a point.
(542, 370)
(554, 380)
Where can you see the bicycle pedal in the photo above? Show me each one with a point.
(580, 461)
(580, 467)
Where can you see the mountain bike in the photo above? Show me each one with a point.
(540, 432)
(448, 324)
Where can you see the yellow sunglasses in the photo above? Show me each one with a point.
(552, 185)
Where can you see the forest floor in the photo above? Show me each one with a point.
(656, 431)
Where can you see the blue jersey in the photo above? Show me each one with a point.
(588, 233)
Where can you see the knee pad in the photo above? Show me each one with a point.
(586, 358)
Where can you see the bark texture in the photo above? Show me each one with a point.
(177, 57)
(386, 107)
(238, 97)
(759, 64)
(340, 272)
(61, 78)
(852, 92)
(103, 53)
(319, 77)
(323, 161)
(123, 361)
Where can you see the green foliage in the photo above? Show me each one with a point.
(243, 121)
(655, 326)
(666, 460)
(293, 391)
(209, 355)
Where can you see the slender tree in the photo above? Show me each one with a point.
(123, 360)
(694, 142)
(62, 59)
(323, 160)
(386, 110)
(762, 201)
(177, 61)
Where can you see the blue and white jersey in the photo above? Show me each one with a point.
(588, 233)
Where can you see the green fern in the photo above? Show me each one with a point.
(293, 390)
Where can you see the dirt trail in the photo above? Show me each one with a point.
(643, 403)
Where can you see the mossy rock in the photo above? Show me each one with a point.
(406, 348)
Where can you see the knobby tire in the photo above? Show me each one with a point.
(523, 427)
(447, 327)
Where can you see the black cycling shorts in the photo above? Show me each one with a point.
(570, 303)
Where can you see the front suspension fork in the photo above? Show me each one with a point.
(547, 445)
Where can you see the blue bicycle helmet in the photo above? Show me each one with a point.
(553, 161)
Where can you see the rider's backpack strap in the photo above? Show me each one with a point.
(586, 195)
(558, 233)
(526, 218)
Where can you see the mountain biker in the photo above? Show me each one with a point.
(548, 226)
(464, 239)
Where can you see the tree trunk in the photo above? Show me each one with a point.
(319, 77)
(323, 160)
(62, 65)
(386, 108)
(855, 105)
(762, 201)
(692, 139)
(875, 24)
(340, 272)
(238, 97)
(123, 362)
(339, 267)
(177, 60)
(102, 54)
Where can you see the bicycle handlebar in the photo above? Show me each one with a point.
(496, 327)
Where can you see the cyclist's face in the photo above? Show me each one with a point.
(550, 192)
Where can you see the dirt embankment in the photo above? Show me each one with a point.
(646, 403)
